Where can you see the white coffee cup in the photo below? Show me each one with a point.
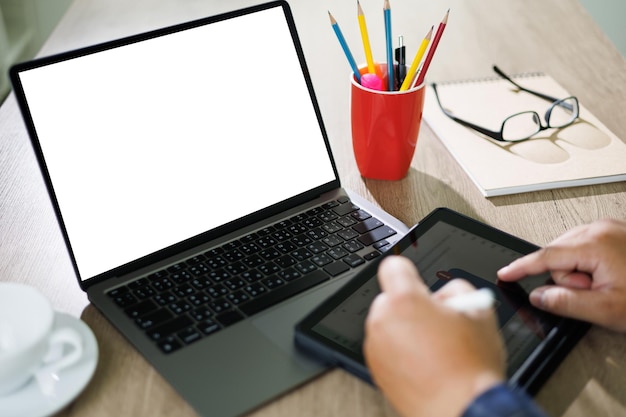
(28, 343)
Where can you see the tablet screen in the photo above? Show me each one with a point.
(444, 246)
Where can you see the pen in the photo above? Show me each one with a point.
(416, 61)
(431, 50)
(401, 60)
(481, 299)
(366, 40)
(345, 48)
(387, 15)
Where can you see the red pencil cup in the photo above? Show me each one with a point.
(385, 126)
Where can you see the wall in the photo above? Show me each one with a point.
(610, 16)
(24, 27)
(26, 24)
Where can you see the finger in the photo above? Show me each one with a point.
(398, 274)
(378, 308)
(549, 258)
(575, 303)
(570, 279)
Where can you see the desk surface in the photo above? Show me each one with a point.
(556, 37)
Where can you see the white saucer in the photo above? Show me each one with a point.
(29, 401)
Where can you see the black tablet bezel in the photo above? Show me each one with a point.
(529, 376)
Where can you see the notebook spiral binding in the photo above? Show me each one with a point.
(492, 78)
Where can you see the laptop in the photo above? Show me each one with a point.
(195, 187)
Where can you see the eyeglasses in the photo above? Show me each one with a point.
(524, 125)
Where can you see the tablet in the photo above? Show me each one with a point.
(447, 245)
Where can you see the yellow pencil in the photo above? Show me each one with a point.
(408, 80)
(366, 40)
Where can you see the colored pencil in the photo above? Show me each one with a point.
(431, 50)
(408, 80)
(390, 71)
(366, 40)
(344, 46)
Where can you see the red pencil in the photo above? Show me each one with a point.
(431, 50)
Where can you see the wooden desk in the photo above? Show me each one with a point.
(554, 36)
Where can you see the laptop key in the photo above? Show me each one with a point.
(180, 307)
(367, 225)
(381, 244)
(361, 215)
(283, 292)
(165, 298)
(169, 345)
(229, 317)
(138, 283)
(124, 300)
(269, 268)
(116, 292)
(256, 289)
(219, 305)
(376, 235)
(284, 261)
(336, 268)
(201, 313)
(154, 318)
(252, 276)
(238, 297)
(371, 255)
(353, 260)
(170, 327)
(330, 204)
(141, 308)
(306, 267)
(189, 335)
(289, 274)
(273, 282)
(208, 326)
(352, 246)
(322, 259)
(344, 209)
(317, 247)
(346, 221)
(338, 253)
(217, 291)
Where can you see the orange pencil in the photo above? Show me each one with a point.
(431, 50)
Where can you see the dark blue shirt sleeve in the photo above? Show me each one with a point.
(503, 401)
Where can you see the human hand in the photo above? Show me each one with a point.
(428, 359)
(588, 265)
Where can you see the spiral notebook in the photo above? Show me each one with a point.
(584, 153)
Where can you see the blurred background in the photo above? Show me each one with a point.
(26, 24)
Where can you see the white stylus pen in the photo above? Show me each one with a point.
(481, 299)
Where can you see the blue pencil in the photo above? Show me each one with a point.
(387, 13)
(345, 48)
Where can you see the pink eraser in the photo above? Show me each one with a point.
(372, 81)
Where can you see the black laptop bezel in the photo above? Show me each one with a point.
(209, 235)
(534, 371)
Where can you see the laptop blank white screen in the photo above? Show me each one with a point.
(155, 142)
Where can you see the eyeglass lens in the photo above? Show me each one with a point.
(520, 126)
(523, 125)
(562, 112)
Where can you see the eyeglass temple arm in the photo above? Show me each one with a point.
(538, 94)
(484, 131)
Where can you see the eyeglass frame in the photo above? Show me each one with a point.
(498, 135)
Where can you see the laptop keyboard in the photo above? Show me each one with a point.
(199, 296)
